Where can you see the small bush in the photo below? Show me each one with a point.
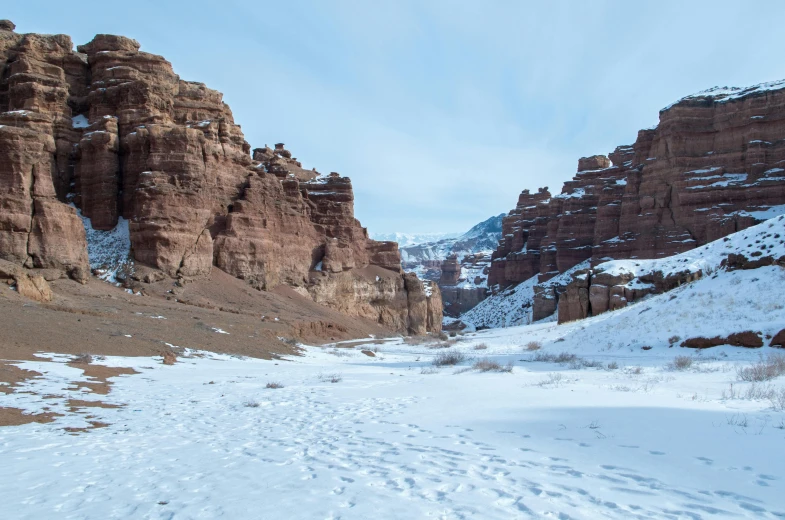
(450, 357)
(533, 345)
(562, 358)
(673, 340)
(251, 404)
(443, 336)
(554, 379)
(590, 363)
(274, 385)
(339, 352)
(634, 371)
(481, 346)
(565, 357)
(613, 365)
(778, 403)
(764, 370)
(680, 363)
(488, 365)
(429, 370)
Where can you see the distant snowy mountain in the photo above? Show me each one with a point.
(411, 239)
(482, 237)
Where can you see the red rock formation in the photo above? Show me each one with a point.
(463, 284)
(117, 132)
(713, 166)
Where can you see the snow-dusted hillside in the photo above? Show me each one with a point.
(513, 305)
(482, 237)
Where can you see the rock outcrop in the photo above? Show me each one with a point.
(114, 132)
(464, 283)
(714, 165)
(460, 265)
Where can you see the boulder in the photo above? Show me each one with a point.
(33, 287)
(778, 340)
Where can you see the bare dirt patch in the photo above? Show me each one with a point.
(99, 376)
(101, 319)
(18, 417)
(13, 376)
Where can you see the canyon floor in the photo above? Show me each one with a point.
(606, 430)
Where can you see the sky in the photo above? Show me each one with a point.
(441, 111)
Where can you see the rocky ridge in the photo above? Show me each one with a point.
(714, 165)
(113, 131)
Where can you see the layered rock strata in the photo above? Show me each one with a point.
(113, 131)
(714, 165)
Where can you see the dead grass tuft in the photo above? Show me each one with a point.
(448, 358)
(488, 365)
(680, 363)
(533, 345)
(764, 370)
(330, 378)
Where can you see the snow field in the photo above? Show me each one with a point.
(395, 437)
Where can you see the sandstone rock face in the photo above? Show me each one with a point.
(714, 165)
(116, 132)
(463, 284)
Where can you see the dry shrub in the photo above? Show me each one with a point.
(481, 346)
(613, 365)
(449, 357)
(561, 358)
(330, 378)
(554, 379)
(488, 365)
(84, 359)
(274, 385)
(533, 345)
(763, 370)
(680, 363)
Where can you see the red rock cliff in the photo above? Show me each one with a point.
(116, 132)
(714, 165)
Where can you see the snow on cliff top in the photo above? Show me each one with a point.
(723, 94)
(765, 239)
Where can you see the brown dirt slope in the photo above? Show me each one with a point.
(100, 319)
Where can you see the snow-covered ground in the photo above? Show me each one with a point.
(395, 437)
(624, 423)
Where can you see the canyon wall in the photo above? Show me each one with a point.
(714, 165)
(114, 132)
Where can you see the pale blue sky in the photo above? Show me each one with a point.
(441, 112)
